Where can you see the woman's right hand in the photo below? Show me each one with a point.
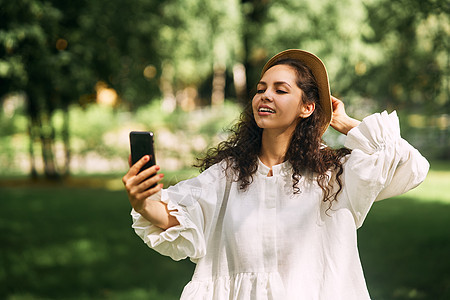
(138, 189)
(138, 184)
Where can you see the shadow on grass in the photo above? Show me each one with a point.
(77, 243)
(404, 248)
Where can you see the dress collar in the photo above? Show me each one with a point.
(276, 170)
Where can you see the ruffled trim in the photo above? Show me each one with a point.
(238, 286)
(178, 242)
(374, 133)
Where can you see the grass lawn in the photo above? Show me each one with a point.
(74, 241)
(405, 242)
(77, 243)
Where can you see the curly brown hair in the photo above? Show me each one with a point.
(306, 151)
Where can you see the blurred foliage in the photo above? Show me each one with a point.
(380, 54)
(99, 136)
(414, 43)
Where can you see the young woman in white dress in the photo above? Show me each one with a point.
(274, 213)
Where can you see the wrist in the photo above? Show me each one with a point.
(350, 124)
(344, 125)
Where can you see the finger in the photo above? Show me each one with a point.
(339, 107)
(140, 194)
(133, 181)
(150, 182)
(151, 191)
(138, 165)
(134, 169)
(335, 101)
(147, 173)
(336, 105)
(334, 98)
(129, 160)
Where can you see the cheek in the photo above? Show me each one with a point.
(297, 106)
(255, 103)
(289, 112)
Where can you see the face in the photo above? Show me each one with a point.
(277, 104)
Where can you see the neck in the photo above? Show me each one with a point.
(274, 147)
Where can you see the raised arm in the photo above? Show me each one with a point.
(382, 164)
(141, 197)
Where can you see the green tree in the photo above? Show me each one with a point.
(55, 52)
(197, 41)
(118, 40)
(29, 63)
(414, 42)
(332, 30)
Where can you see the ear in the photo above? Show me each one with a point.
(307, 109)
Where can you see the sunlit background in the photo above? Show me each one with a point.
(77, 76)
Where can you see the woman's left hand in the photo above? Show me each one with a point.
(340, 120)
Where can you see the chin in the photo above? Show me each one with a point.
(260, 123)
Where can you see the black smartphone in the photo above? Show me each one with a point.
(141, 144)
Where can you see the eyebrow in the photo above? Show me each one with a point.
(275, 83)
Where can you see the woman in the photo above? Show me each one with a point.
(274, 213)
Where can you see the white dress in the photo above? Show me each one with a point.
(273, 244)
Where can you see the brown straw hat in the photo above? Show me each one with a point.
(319, 71)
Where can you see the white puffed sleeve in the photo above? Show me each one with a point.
(381, 164)
(194, 203)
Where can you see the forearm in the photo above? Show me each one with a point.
(157, 213)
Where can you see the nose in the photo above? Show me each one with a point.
(267, 96)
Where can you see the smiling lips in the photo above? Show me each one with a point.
(265, 110)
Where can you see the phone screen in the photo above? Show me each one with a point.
(141, 144)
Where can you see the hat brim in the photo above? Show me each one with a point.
(319, 71)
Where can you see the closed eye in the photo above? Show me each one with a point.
(281, 92)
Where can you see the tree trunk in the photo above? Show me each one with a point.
(66, 140)
(31, 136)
(47, 137)
(240, 82)
(218, 85)
(169, 102)
(33, 129)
